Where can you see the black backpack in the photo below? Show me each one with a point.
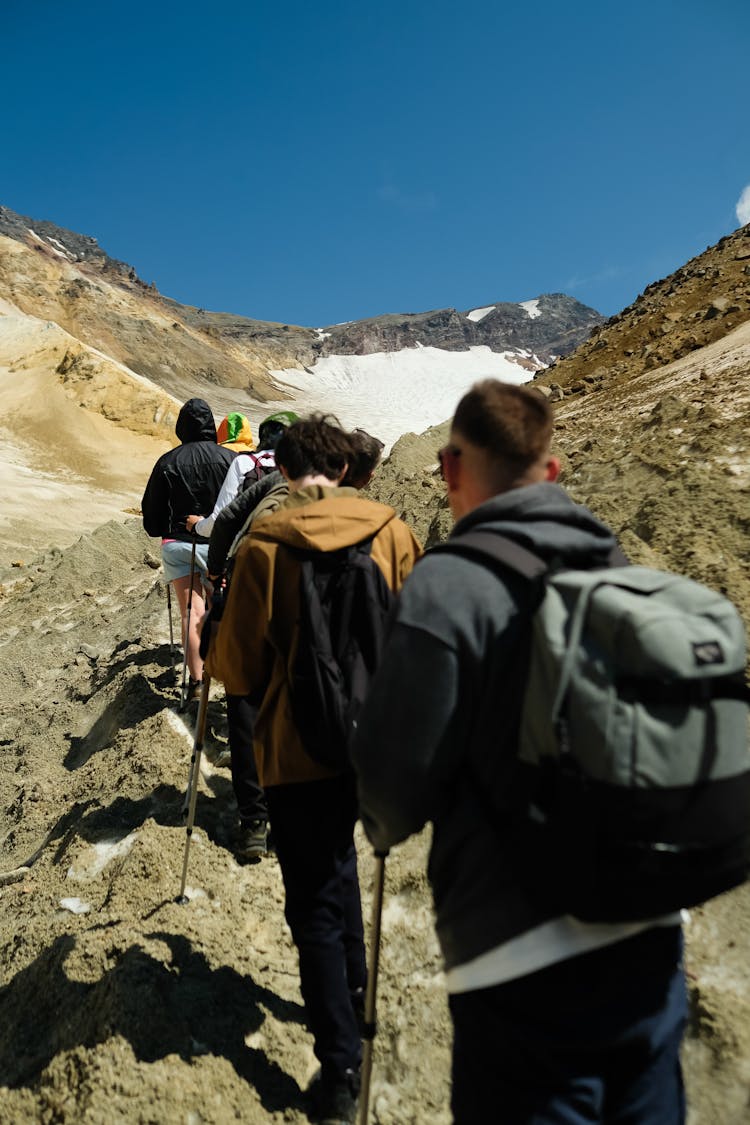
(264, 462)
(344, 606)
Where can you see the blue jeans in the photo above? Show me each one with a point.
(592, 1040)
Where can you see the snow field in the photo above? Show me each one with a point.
(393, 393)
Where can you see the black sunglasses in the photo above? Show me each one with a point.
(446, 452)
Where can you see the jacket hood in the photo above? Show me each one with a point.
(324, 519)
(195, 422)
(234, 431)
(544, 519)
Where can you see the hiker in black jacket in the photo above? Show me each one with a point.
(554, 1019)
(184, 480)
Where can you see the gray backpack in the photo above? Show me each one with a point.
(631, 790)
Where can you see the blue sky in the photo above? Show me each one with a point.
(313, 163)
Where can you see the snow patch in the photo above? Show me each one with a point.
(75, 906)
(321, 334)
(392, 393)
(479, 314)
(96, 858)
(61, 248)
(192, 893)
(46, 243)
(532, 308)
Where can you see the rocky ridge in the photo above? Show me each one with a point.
(699, 303)
(553, 325)
(51, 272)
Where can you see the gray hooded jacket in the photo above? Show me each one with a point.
(442, 715)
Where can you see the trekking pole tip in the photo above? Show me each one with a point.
(182, 900)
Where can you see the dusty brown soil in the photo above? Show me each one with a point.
(137, 1009)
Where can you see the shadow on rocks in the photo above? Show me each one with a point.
(216, 814)
(134, 701)
(176, 1006)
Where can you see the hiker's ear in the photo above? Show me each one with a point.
(343, 473)
(552, 469)
(283, 472)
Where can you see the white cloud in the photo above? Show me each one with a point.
(743, 206)
(416, 202)
(578, 281)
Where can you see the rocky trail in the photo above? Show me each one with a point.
(116, 1003)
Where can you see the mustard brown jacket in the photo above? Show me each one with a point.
(255, 647)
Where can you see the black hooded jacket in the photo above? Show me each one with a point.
(186, 480)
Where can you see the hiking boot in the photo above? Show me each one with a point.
(333, 1100)
(192, 693)
(223, 760)
(251, 841)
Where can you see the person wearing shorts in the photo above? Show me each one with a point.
(184, 480)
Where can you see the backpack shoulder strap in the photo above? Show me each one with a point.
(490, 545)
(497, 548)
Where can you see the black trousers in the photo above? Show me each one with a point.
(592, 1040)
(313, 824)
(250, 798)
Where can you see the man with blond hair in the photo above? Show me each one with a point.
(555, 1020)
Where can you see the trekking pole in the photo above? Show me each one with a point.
(183, 687)
(191, 795)
(368, 1033)
(171, 627)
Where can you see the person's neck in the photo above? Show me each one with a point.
(311, 480)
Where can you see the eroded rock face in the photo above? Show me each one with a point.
(697, 304)
(49, 271)
(553, 326)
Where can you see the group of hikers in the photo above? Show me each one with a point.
(555, 1019)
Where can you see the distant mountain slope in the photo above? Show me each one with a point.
(697, 304)
(548, 326)
(79, 433)
(79, 328)
(66, 278)
(51, 272)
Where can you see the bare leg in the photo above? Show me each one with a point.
(182, 590)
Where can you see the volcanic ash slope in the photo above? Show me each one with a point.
(116, 1003)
